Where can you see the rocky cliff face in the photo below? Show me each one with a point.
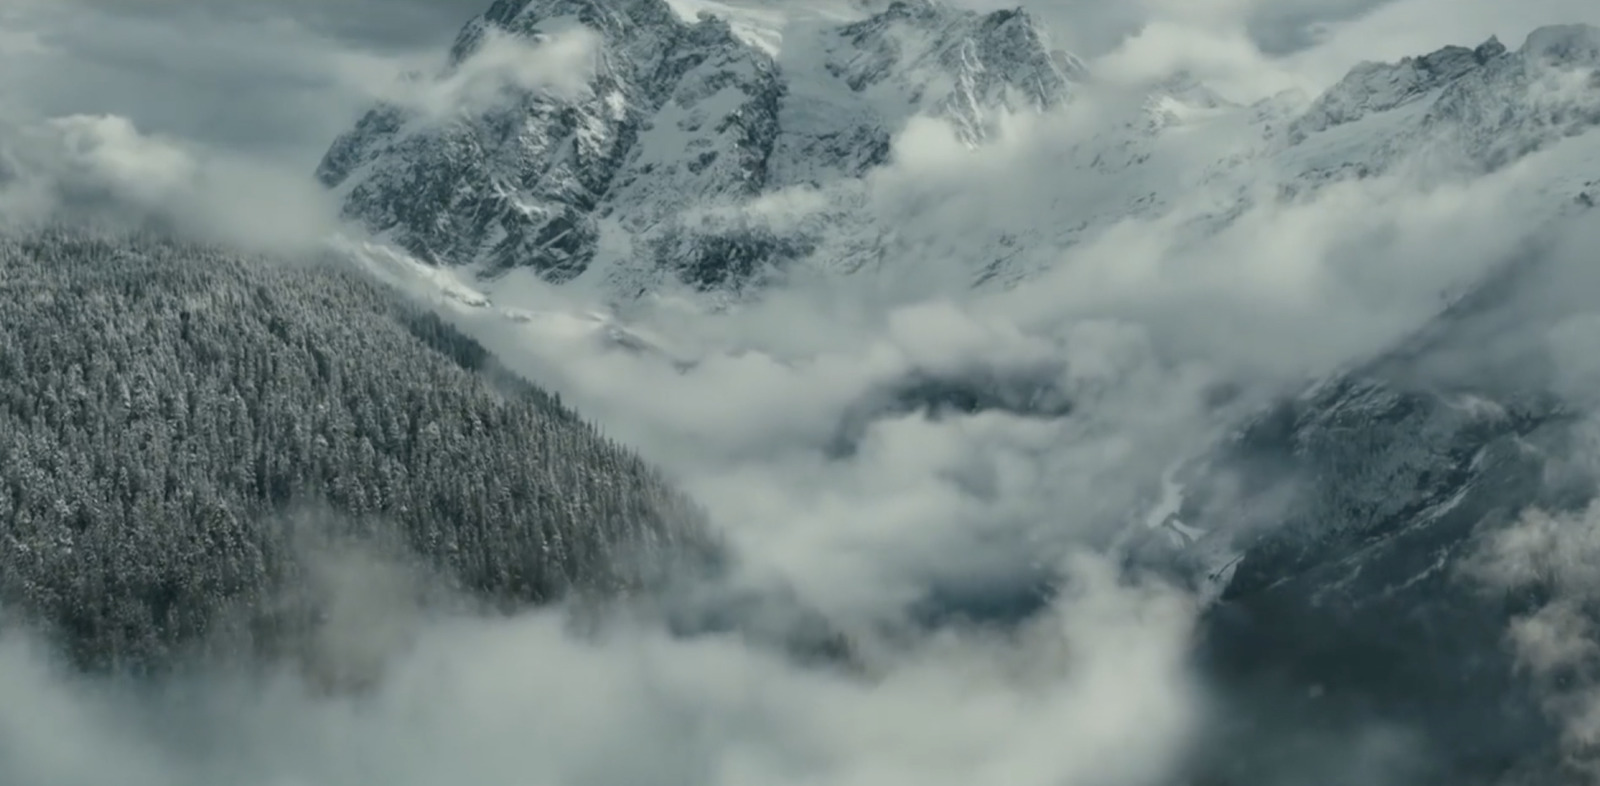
(522, 181)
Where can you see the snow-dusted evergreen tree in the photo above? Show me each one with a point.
(164, 407)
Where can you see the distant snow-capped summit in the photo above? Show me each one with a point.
(644, 145)
(671, 115)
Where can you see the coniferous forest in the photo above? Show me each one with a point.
(176, 421)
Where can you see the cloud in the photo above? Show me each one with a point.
(105, 170)
(388, 24)
(212, 121)
(273, 81)
(90, 160)
(1223, 56)
(1554, 643)
(562, 63)
(1249, 49)
(1541, 562)
(213, 114)
(1405, 28)
(1093, 692)
(1136, 328)
(1134, 331)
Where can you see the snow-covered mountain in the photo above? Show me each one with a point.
(1478, 109)
(674, 119)
(706, 153)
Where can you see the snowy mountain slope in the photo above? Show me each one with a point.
(1380, 87)
(1448, 117)
(1340, 530)
(677, 118)
(1458, 111)
(1185, 157)
(1349, 609)
(704, 155)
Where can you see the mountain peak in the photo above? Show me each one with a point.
(710, 148)
(512, 14)
(1490, 48)
(1372, 87)
(953, 63)
(679, 118)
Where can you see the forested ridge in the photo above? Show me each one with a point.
(165, 409)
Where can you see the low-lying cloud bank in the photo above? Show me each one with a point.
(1094, 691)
(102, 169)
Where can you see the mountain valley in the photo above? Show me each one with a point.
(840, 392)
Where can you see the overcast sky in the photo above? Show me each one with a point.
(279, 78)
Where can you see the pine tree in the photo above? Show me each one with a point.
(164, 408)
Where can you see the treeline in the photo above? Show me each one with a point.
(165, 408)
